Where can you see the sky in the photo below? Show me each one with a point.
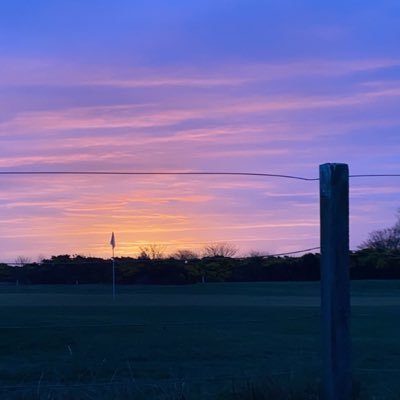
(264, 86)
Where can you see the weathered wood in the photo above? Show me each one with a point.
(335, 282)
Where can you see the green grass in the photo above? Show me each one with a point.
(213, 338)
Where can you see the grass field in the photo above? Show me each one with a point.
(200, 339)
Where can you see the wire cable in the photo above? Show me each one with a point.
(222, 173)
(292, 252)
(156, 173)
(374, 176)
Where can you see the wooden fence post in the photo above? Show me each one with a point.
(335, 282)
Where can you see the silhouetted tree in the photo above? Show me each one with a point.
(185, 254)
(257, 254)
(384, 239)
(152, 251)
(22, 260)
(221, 249)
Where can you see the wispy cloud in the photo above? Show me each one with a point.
(147, 116)
(34, 71)
(124, 116)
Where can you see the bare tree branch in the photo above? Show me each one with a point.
(384, 239)
(221, 249)
(152, 251)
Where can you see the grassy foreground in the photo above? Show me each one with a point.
(193, 342)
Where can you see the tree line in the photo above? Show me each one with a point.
(66, 269)
(377, 258)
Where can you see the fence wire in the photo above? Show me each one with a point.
(180, 173)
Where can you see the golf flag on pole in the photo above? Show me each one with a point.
(112, 241)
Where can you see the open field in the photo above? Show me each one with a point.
(208, 338)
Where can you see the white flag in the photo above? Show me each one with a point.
(112, 241)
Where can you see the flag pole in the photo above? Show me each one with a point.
(112, 242)
(113, 271)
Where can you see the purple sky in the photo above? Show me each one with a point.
(253, 86)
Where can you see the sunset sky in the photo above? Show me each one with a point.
(205, 85)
